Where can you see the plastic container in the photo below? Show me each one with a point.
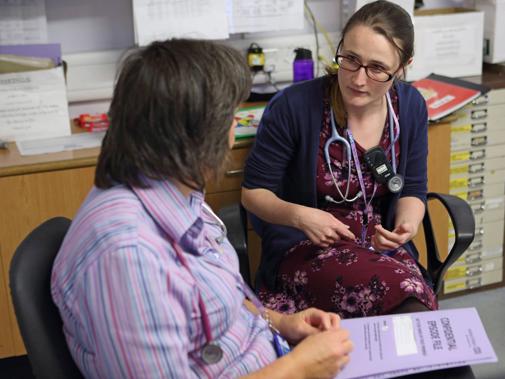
(303, 65)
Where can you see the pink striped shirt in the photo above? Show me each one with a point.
(130, 309)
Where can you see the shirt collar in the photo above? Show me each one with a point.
(177, 215)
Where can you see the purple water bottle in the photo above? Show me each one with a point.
(303, 65)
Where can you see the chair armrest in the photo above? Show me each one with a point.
(463, 221)
(235, 219)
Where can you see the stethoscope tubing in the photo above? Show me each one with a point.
(336, 137)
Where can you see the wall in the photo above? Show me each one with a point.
(94, 34)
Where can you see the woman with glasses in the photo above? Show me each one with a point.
(336, 182)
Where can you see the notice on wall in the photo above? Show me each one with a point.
(248, 16)
(22, 21)
(33, 105)
(162, 19)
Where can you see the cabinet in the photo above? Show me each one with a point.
(477, 174)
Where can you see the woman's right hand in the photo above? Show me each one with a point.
(322, 355)
(321, 227)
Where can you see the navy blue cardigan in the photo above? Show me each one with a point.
(284, 158)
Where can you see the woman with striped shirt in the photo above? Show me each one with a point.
(146, 282)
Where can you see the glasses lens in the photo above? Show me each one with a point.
(351, 64)
(377, 75)
(348, 63)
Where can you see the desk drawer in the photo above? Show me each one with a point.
(476, 154)
(462, 284)
(234, 173)
(493, 97)
(218, 200)
(487, 113)
(488, 238)
(476, 180)
(475, 269)
(487, 191)
(475, 167)
(475, 254)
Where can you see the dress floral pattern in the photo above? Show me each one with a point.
(348, 277)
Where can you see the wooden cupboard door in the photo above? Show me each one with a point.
(439, 142)
(26, 201)
(6, 341)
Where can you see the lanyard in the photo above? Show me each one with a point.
(366, 214)
(392, 120)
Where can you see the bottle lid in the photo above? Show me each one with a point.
(254, 48)
(302, 53)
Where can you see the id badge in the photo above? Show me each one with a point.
(281, 346)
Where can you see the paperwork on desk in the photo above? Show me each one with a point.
(22, 21)
(55, 145)
(33, 105)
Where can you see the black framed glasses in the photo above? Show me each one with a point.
(374, 72)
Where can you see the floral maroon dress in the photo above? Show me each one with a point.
(348, 277)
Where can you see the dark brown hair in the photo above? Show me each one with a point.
(171, 111)
(389, 20)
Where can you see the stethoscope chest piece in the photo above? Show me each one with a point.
(395, 183)
(212, 353)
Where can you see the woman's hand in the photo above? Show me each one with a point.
(297, 326)
(385, 240)
(322, 355)
(321, 227)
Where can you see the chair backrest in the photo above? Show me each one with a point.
(38, 318)
(235, 218)
(463, 222)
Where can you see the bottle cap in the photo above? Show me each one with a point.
(302, 53)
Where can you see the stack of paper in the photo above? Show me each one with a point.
(394, 345)
(33, 97)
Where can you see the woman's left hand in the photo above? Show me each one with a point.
(383, 239)
(297, 326)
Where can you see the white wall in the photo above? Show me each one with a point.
(94, 34)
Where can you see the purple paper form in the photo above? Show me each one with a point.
(43, 50)
(394, 345)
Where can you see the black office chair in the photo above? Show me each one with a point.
(460, 213)
(38, 318)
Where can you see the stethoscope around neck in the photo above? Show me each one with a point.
(336, 137)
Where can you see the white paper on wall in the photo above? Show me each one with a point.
(22, 22)
(246, 16)
(162, 19)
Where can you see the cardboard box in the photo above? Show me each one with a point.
(448, 41)
(494, 29)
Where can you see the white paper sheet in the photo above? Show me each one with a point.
(162, 19)
(54, 145)
(265, 15)
(33, 105)
(22, 21)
